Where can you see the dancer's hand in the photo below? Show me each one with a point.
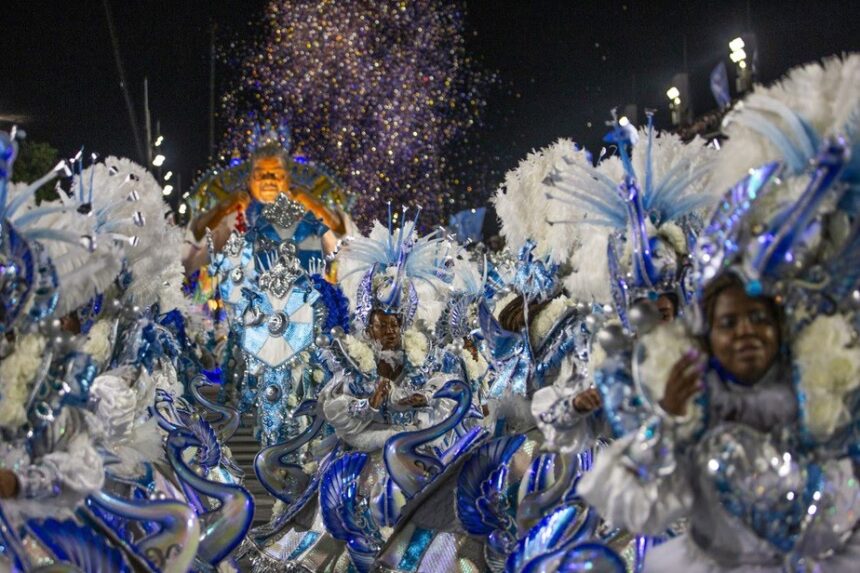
(685, 379)
(415, 400)
(8, 484)
(383, 387)
(587, 401)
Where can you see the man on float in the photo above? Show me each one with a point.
(314, 234)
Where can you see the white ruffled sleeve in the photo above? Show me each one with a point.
(637, 484)
(348, 415)
(565, 430)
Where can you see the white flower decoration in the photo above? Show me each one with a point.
(416, 346)
(361, 353)
(829, 368)
(17, 373)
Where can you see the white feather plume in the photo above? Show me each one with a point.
(824, 95)
(524, 209)
(82, 273)
(122, 192)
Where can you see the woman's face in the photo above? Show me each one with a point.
(744, 334)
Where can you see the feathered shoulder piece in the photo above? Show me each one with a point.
(789, 227)
(394, 269)
(642, 206)
(128, 206)
(36, 244)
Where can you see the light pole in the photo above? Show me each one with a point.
(674, 95)
(738, 55)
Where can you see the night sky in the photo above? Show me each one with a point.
(562, 65)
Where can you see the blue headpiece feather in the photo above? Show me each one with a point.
(626, 208)
(392, 266)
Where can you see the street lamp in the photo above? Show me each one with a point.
(738, 56)
(168, 189)
(168, 175)
(159, 160)
(674, 95)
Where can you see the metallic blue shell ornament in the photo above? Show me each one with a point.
(534, 279)
(559, 531)
(482, 500)
(412, 470)
(346, 514)
(225, 526)
(79, 546)
(173, 543)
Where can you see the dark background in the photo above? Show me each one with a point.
(562, 65)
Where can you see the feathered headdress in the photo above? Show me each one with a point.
(790, 226)
(522, 207)
(393, 267)
(645, 202)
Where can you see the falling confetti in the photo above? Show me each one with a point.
(382, 93)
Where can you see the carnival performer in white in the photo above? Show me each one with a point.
(750, 430)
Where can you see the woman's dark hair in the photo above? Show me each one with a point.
(513, 318)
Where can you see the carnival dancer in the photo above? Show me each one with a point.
(749, 427)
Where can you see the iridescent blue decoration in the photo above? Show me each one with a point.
(79, 546)
(534, 279)
(771, 254)
(346, 513)
(483, 506)
(569, 337)
(550, 490)
(511, 355)
(174, 543)
(67, 384)
(282, 479)
(623, 405)
(556, 532)
(593, 558)
(27, 279)
(224, 527)
(224, 419)
(261, 535)
(720, 242)
(768, 487)
(336, 304)
(412, 470)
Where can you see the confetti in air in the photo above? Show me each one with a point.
(382, 93)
